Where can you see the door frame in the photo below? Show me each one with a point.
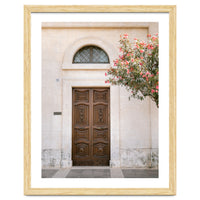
(66, 137)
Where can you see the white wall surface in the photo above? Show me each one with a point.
(11, 101)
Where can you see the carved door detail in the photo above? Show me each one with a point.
(91, 127)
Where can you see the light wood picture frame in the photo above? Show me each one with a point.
(171, 10)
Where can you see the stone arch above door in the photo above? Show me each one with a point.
(67, 62)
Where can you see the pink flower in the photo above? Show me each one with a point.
(120, 49)
(135, 38)
(126, 66)
(142, 57)
(156, 34)
(157, 73)
(141, 64)
(132, 60)
(143, 76)
(127, 62)
(156, 91)
(125, 36)
(105, 74)
(116, 62)
(152, 91)
(107, 81)
(127, 54)
(141, 51)
(157, 87)
(148, 35)
(127, 71)
(140, 73)
(154, 38)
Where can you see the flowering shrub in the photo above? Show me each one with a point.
(137, 67)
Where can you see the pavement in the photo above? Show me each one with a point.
(99, 172)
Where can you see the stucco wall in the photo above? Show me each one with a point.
(134, 139)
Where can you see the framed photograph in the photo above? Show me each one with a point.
(99, 100)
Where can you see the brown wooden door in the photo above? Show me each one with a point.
(91, 127)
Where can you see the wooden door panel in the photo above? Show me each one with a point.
(100, 150)
(100, 96)
(81, 134)
(82, 150)
(82, 96)
(91, 127)
(100, 134)
(100, 115)
(82, 115)
(101, 146)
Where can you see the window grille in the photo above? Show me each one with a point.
(91, 54)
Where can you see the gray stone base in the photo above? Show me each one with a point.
(114, 163)
(154, 158)
(139, 158)
(66, 164)
(51, 158)
(54, 158)
(129, 158)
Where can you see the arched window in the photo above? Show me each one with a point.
(91, 54)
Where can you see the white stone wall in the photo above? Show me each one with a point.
(134, 123)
